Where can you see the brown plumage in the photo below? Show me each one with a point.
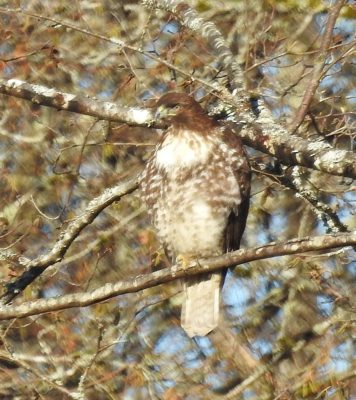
(196, 187)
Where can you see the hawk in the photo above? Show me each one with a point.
(196, 188)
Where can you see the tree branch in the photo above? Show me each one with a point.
(267, 136)
(296, 181)
(261, 133)
(118, 43)
(316, 74)
(198, 267)
(49, 97)
(318, 330)
(35, 267)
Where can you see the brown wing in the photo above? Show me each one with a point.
(236, 226)
(238, 216)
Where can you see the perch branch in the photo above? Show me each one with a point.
(294, 246)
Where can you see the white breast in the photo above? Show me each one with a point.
(183, 150)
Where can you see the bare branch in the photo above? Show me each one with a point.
(318, 67)
(265, 135)
(319, 329)
(294, 246)
(35, 267)
(322, 210)
(49, 97)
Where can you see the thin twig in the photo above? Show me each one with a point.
(313, 83)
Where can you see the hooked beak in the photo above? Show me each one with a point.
(163, 113)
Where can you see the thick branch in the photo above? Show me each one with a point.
(141, 282)
(44, 96)
(265, 135)
(261, 133)
(36, 266)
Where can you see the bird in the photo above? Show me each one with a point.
(196, 187)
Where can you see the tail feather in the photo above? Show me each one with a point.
(200, 310)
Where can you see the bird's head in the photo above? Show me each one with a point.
(177, 107)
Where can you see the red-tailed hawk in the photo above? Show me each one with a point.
(196, 188)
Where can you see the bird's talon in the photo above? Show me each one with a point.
(183, 261)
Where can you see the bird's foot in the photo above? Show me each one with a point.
(183, 260)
